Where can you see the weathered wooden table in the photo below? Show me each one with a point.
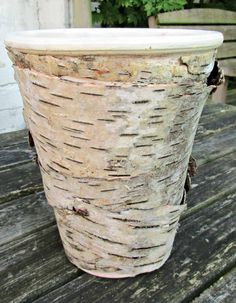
(33, 266)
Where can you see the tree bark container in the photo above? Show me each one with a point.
(113, 114)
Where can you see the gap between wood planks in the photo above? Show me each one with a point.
(211, 189)
(45, 228)
(211, 137)
(223, 289)
(223, 272)
(71, 274)
(214, 180)
(188, 272)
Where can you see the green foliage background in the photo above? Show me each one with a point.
(135, 13)
(132, 12)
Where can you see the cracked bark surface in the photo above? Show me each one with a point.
(114, 136)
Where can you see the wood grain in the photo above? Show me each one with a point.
(37, 241)
(198, 16)
(82, 15)
(18, 181)
(220, 144)
(13, 138)
(33, 265)
(229, 66)
(204, 249)
(224, 290)
(227, 50)
(23, 216)
(16, 154)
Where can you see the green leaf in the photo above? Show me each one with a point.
(132, 12)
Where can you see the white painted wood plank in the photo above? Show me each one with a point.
(20, 15)
(10, 97)
(55, 7)
(11, 120)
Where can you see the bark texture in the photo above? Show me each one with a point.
(113, 136)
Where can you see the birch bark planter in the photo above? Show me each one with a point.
(113, 114)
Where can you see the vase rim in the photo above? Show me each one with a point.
(113, 40)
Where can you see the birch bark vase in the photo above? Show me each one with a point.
(113, 114)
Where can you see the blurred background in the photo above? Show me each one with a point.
(18, 15)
